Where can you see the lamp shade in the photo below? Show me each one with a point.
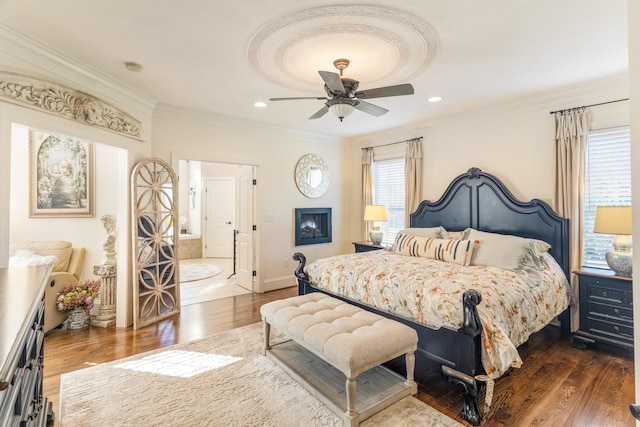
(376, 213)
(341, 110)
(613, 220)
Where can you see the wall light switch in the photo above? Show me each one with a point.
(269, 218)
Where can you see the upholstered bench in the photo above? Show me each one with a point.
(351, 340)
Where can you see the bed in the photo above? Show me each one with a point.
(477, 204)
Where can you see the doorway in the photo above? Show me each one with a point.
(217, 204)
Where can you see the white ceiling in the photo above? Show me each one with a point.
(202, 55)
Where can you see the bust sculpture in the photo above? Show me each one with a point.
(109, 243)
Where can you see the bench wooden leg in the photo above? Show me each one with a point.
(267, 332)
(410, 362)
(351, 396)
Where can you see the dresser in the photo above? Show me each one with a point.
(22, 346)
(366, 246)
(606, 311)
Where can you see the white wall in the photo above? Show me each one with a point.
(275, 153)
(515, 143)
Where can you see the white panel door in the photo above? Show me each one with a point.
(219, 217)
(245, 258)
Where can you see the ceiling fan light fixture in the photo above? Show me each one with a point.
(341, 110)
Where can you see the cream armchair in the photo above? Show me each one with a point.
(67, 268)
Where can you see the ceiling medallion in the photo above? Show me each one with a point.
(385, 45)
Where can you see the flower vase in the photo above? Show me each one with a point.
(78, 319)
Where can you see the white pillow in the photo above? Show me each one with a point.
(456, 235)
(24, 257)
(504, 251)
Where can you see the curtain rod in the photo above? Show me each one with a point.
(394, 143)
(586, 106)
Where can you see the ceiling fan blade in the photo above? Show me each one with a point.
(298, 97)
(321, 112)
(333, 82)
(380, 92)
(367, 107)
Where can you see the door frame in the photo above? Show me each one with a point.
(176, 156)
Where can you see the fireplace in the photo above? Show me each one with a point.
(313, 225)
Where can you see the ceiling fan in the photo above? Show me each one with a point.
(343, 95)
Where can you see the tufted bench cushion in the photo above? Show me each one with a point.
(351, 339)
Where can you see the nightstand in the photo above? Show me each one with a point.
(366, 246)
(606, 311)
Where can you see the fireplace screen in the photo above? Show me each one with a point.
(313, 225)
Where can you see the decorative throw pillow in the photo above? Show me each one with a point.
(505, 251)
(456, 251)
(432, 232)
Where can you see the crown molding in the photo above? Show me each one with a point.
(70, 72)
(592, 92)
(240, 124)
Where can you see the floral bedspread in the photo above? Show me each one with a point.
(429, 292)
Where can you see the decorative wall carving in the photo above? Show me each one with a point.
(65, 102)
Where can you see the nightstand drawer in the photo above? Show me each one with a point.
(611, 330)
(615, 313)
(605, 294)
(606, 290)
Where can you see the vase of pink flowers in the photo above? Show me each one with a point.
(77, 300)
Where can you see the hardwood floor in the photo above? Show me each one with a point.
(558, 385)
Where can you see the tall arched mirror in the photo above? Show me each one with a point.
(156, 290)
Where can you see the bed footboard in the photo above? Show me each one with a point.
(457, 352)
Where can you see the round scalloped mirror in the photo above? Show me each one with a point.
(312, 176)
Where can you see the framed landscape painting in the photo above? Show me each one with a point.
(61, 176)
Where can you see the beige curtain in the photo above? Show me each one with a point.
(412, 178)
(572, 128)
(367, 187)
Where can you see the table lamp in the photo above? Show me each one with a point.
(375, 214)
(616, 220)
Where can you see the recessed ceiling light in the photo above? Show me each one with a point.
(435, 99)
(133, 66)
(260, 104)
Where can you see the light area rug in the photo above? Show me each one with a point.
(221, 380)
(190, 272)
(198, 292)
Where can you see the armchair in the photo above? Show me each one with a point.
(67, 268)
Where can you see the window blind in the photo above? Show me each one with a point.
(388, 189)
(607, 183)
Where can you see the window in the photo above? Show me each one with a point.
(388, 189)
(607, 183)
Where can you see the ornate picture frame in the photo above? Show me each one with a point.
(61, 176)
